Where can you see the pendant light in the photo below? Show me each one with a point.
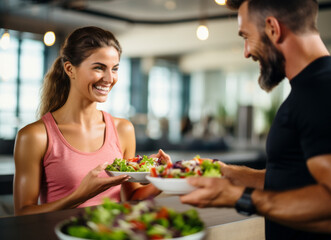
(220, 2)
(49, 38)
(5, 40)
(202, 31)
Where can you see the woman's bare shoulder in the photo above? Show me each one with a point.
(33, 133)
(123, 124)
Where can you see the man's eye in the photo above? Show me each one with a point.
(115, 69)
(98, 68)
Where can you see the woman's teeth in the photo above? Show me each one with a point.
(102, 88)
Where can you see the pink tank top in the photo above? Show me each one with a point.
(65, 166)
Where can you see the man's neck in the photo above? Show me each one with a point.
(300, 51)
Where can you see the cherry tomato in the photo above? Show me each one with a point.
(155, 236)
(153, 172)
(127, 205)
(138, 224)
(135, 159)
(163, 213)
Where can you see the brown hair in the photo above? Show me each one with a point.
(298, 16)
(78, 46)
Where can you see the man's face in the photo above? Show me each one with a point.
(260, 48)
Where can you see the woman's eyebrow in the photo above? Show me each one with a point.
(99, 63)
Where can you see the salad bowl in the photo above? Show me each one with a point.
(134, 176)
(171, 179)
(124, 221)
(137, 168)
(63, 236)
(176, 186)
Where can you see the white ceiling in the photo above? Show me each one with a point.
(139, 28)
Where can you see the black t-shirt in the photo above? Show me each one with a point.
(300, 130)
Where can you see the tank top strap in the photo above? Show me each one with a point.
(111, 130)
(51, 129)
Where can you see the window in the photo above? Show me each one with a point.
(21, 74)
(164, 101)
(8, 89)
(31, 75)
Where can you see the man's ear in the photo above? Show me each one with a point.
(274, 29)
(69, 69)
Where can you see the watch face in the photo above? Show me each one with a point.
(245, 205)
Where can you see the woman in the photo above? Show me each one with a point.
(61, 157)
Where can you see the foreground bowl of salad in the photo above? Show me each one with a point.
(171, 179)
(141, 221)
(137, 168)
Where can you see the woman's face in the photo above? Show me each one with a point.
(96, 75)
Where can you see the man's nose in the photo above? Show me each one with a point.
(247, 52)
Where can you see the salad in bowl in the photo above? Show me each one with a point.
(141, 221)
(171, 179)
(137, 168)
(188, 168)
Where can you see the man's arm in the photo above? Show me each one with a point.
(307, 208)
(244, 176)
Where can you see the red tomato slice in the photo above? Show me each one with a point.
(138, 224)
(155, 237)
(127, 205)
(153, 172)
(163, 213)
(135, 159)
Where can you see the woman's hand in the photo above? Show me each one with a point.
(92, 184)
(162, 155)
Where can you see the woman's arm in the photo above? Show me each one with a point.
(30, 148)
(133, 191)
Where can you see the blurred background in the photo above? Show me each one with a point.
(187, 89)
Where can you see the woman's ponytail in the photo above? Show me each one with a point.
(55, 89)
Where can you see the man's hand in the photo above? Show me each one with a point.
(212, 192)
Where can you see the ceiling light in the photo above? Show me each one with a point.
(202, 32)
(49, 38)
(5, 40)
(220, 2)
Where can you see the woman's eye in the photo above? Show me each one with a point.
(98, 68)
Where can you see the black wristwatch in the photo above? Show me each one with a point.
(245, 205)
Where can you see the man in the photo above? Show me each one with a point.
(294, 192)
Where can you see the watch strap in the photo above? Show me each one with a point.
(244, 205)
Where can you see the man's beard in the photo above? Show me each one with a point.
(272, 62)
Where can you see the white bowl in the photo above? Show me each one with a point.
(135, 176)
(63, 236)
(178, 186)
